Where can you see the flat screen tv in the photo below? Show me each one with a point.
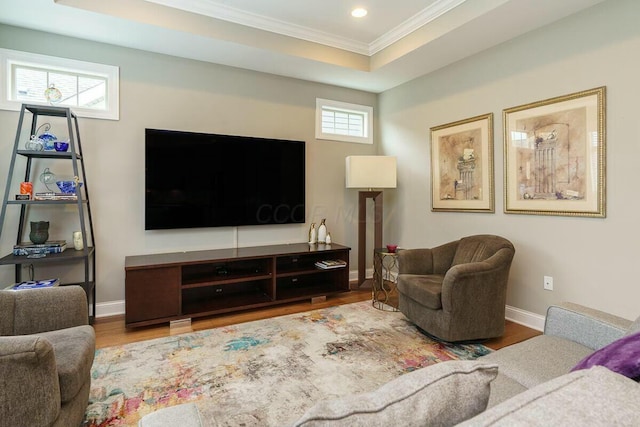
(208, 180)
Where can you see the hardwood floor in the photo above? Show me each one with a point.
(513, 333)
(111, 331)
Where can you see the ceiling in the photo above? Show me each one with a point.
(315, 40)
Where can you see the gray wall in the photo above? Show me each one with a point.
(592, 260)
(160, 91)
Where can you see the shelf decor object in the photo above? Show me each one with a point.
(61, 145)
(39, 232)
(47, 177)
(53, 94)
(69, 186)
(372, 173)
(46, 137)
(313, 234)
(322, 232)
(34, 144)
(78, 240)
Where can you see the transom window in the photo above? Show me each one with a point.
(341, 121)
(90, 89)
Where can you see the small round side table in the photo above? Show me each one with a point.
(385, 280)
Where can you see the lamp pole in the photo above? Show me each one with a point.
(362, 230)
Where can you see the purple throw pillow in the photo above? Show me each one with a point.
(621, 356)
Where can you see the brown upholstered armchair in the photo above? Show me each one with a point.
(457, 291)
(46, 353)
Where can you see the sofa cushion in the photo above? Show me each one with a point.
(74, 349)
(441, 394)
(594, 397)
(621, 356)
(538, 359)
(424, 289)
(587, 326)
(472, 250)
(503, 388)
(478, 248)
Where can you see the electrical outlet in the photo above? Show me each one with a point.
(548, 283)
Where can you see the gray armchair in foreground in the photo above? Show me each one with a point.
(457, 291)
(46, 353)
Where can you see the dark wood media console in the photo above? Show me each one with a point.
(165, 287)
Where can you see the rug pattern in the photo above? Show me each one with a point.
(263, 373)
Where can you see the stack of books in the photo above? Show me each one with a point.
(50, 247)
(50, 195)
(34, 284)
(331, 263)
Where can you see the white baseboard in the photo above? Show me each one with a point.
(353, 274)
(111, 308)
(526, 318)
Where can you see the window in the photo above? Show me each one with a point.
(90, 89)
(341, 121)
(519, 139)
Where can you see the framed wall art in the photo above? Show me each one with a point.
(462, 165)
(555, 156)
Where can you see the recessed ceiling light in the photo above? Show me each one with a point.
(359, 12)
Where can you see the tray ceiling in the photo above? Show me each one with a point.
(314, 40)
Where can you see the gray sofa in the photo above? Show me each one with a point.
(46, 352)
(526, 384)
(534, 385)
(571, 332)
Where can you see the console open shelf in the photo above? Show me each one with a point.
(172, 286)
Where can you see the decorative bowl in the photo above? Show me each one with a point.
(68, 187)
(61, 145)
(392, 248)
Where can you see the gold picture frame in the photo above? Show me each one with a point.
(554, 156)
(462, 166)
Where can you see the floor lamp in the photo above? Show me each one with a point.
(372, 173)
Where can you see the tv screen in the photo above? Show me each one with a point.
(208, 180)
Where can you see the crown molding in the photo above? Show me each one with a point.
(237, 16)
(422, 18)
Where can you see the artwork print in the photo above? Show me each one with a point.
(461, 169)
(462, 165)
(554, 156)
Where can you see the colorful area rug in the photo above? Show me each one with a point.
(263, 373)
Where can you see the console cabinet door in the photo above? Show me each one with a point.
(152, 294)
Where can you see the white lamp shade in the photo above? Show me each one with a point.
(371, 172)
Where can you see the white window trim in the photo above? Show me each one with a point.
(344, 106)
(110, 72)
